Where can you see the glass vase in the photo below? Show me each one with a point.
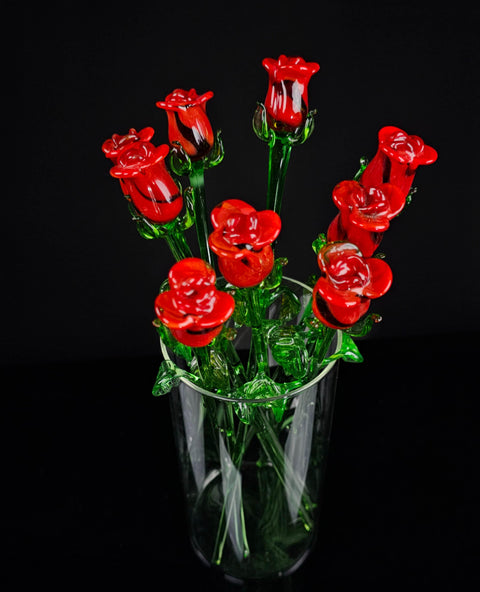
(253, 470)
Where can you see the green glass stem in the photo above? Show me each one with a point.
(258, 358)
(202, 355)
(178, 245)
(242, 439)
(320, 350)
(278, 159)
(363, 166)
(235, 364)
(197, 181)
(280, 463)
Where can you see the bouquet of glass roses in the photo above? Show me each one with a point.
(250, 353)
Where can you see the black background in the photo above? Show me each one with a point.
(94, 477)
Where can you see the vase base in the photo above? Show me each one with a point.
(240, 579)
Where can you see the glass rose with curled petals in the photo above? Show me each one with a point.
(193, 309)
(117, 143)
(397, 159)
(146, 181)
(188, 123)
(365, 213)
(347, 283)
(242, 239)
(286, 102)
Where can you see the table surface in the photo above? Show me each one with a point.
(93, 485)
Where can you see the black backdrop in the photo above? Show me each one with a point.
(83, 281)
(84, 434)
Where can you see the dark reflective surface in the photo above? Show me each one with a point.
(93, 488)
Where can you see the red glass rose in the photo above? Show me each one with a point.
(193, 309)
(397, 159)
(286, 102)
(242, 241)
(117, 143)
(146, 180)
(188, 123)
(347, 283)
(365, 213)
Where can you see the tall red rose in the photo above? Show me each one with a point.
(193, 309)
(347, 283)
(117, 143)
(286, 102)
(242, 240)
(188, 123)
(397, 159)
(144, 178)
(365, 213)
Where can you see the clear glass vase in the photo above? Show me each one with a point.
(253, 471)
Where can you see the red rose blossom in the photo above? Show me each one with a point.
(117, 143)
(286, 102)
(347, 283)
(193, 309)
(188, 123)
(242, 241)
(397, 159)
(365, 213)
(145, 179)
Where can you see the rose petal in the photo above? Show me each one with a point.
(395, 197)
(380, 278)
(168, 315)
(387, 131)
(222, 311)
(179, 99)
(369, 223)
(270, 225)
(334, 296)
(223, 248)
(337, 315)
(193, 338)
(347, 194)
(227, 208)
(428, 156)
(190, 270)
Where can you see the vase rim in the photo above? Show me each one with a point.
(328, 368)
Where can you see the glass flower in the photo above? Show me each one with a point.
(193, 309)
(146, 181)
(286, 102)
(242, 239)
(397, 159)
(117, 143)
(188, 123)
(347, 283)
(365, 213)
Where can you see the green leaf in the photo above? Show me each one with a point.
(168, 377)
(180, 162)
(290, 304)
(216, 154)
(319, 243)
(363, 326)
(348, 352)
(288, 349)
(260, 125)
(274, 278)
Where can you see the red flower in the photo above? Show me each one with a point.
(287, 99)
(242, 241)
(397, 159)
(193, 309)
(347, 283)
(117, 143)
(365, 213)
(145, 179)
(188, 122)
